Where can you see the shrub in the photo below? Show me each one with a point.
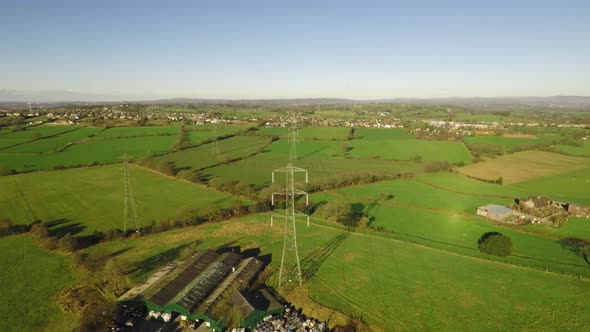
(343, 212)
(40, 230)
(68, 243)
(6, 171)
(494, 243)
(436, 166)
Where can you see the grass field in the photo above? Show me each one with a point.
(90, 199)
(508, 143)
(523, 166)
(30, 278)
(204, 156)
(575, 150)
(446, 219)
(8, 142)
(423, 271)
(56, 142)
(120, 132)
(39, 131)
(72, 145)
(572, 186)
(198, 133)
(324, 133)
(392, 285)
(397, 145)
(321, 158)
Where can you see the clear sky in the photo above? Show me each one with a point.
(289, 49)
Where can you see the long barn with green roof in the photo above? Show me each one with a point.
(195, 287)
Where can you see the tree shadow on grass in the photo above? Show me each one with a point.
(578, 246)
(64, 226)
(151, 263)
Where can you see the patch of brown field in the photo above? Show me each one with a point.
(520, 308)
(351, 256)
(239, 229)
(421, 293)
(468, 300)
(522, 166)
(519, 136)
(176, 238)
(300, 298)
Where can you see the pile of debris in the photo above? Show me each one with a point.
(289, 321)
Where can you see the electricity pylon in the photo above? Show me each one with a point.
(290, 269)
(215, 144)
(294, 139)
(129, 201)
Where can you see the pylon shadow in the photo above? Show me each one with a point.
(312, 263)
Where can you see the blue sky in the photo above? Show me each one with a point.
(289, 49)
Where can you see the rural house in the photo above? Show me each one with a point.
(533, 202)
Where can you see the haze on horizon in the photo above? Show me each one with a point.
(264, 50)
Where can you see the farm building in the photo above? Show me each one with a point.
(533, 202)
(494, 212)
(577, 210)
(540, 203)
(201, 289)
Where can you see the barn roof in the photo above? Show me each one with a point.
(496, 209)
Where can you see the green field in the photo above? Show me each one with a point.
(204, 156)
(393, 285)
(417, 267)
(8, 142)
(508, 143)
(56, 142)
(446, 219)
(572, 186)
(90, 199)
(395, 144)
(82, 153)
(198, 133)
(583, 151)
(523, 166)
(121, 132)
(39, 131)
(30, 279)
(321, 158)
(324, 133)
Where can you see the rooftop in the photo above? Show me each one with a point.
(496, 209)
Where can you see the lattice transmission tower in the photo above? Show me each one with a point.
(215, 143)
(290, 268)
(294, 139)
(130, 217)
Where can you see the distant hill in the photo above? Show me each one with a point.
(77, 98)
